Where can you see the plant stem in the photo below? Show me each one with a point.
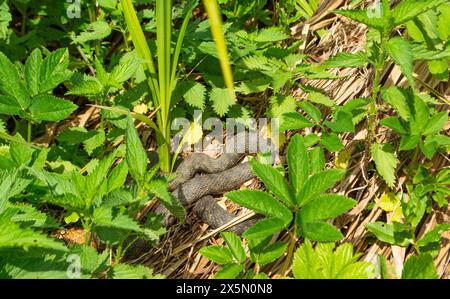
(29, 132)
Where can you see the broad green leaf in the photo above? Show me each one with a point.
(218, 254)
(125, 271)
(434, 235)
(88, 86)
(234, 243)
(12, 235)
(126, 68)
(5, 19)
(95, 31)
(394, 234)
(332, 142)
(33, 72)
(51, 108)
(159, 188)
(346, 60)
(415, 208)
(326, 207)
(439, 69)
(321, 232)
(261, 202)
(115, 219)
(401, 52)
(271, 253)
(221, 100)
(193, 93)
(317, 184)
(436, 123)
(28, 215)
(409, 142)
(385, 161)
(292, 121)
(298, 162)
(10, 82)
(274, 181)
(407, 10)
(342, 122)
(363, 16)
(96, 139)
(322, 99)
(311, 110)
(399, 99)
(136, 156)
(54, 70)
(420, 267)
(395, 124)
(229, 271)
(9, 105)
(118, 176)
(264, 228)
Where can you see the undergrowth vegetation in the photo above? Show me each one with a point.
(86, 89)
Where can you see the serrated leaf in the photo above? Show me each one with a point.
(264, 228)
(322, 99)
(193, 93)
(292, 121)
(33, 72)
(420, 267)
(321, 232)
(261, 202)
(127, 67)
(402, 53)
(114, 218)
(317, 184)
(136, 156)
(407, 10)
(95, 31)
(332, 142)
(274, 181)
(218, 254)
(54, 70)
(229, 271)
(433, 235)
(159, 188)
(271, 253)
(345, 60)
(298, 163)
(51, 108)
(363, 16)
(10, 83)
(234, 243)
(125, 271)
(326, 207)
(394, 234)
(385, 161)
(222, 101)
(436, 123)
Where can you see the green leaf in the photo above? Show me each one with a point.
(385, 161)
(436, 123)
(342, 122)
(88, 86)
(292, 121)
(434, 235)
(298, 162)
(118, 176)
(127, 67)
(394, 234)
(326, 207)
(280, 105)
(159, 188)
(95, 31)
(401, 52)
(28, 215)
(14, 236)
(9, 105)
(136, 156)
(271, 253)
(321, 232)
(332, 142)
(54, 70)
(229, 271)
(221, 100)
(395, 124)
(362, 16)
(264, 228)
(10, 83)
(218, 254)
(317, 184)
(114, 218)
(398, 98)
(261, 202)
(322, 99)
(311, 110)
(274, 181)
(33, 72)
(96, 139)
(439, 69)
(346, 60)
(420, 267)
(125, 271)
(51, 108)
(234, 243)
(407, 10)
(193, 93)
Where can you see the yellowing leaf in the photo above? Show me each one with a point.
(194, 133)
(342, 160)
(141, 109)
(388, 202)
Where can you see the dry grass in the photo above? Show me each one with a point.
(177, 254)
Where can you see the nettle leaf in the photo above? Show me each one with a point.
(234, 243)
(385, 161)
(218, 254)
(332, 142)
(10, 83)
(114, 218)
(270, 35)
(51, 108)
(33, 72)
(362, 16)
(420, 267)
(439, 69)
(125, 271)
(436, 123)
(53, 70)
(117, 176)
(311, 110)
(434, 235)
(96, 31)
(274, 181)
(264, 228)
(280, 105)
(395, 234)
(159, 188)
(12, 235)
(298, 162)
(395, 124)
(326, 207)
(9, 105)
(136, 156)
(96, 139)
(5, 19)
(292, 121)
(401, 52)
(317, 184)
(319, 98)
(127, 67)
(346, 60)
(261, 202)
(222, 100)
(193, 93)
(342, 122)
(408, 10)
(271, 253)
(88, 86)
(398, 98)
